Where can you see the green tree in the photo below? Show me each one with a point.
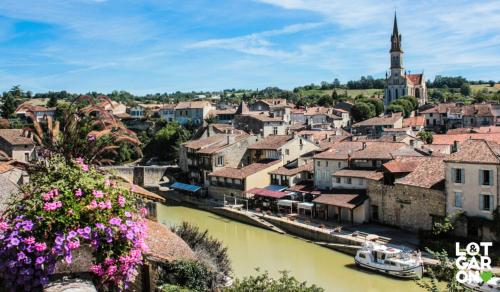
(465, 89)
(362, 111)
(192, 275)
(166, 142)
(426, 136)
(9, 105)
(325, 100)
(52, 101)
(264, 283)
(396, 108)
(378, 104)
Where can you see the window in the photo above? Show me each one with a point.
(349, 180)
(220, 160)
(326, 163)
(325, 175)
(458, 175)
(458, 200)
(26, 157)
(318, 163)
(362, 255)
(337, 180)
(485, 202)
(275, 130)
(287, 151)
(360, 181)
(340, 164)
(485, 177)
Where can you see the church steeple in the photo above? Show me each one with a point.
(395, 37)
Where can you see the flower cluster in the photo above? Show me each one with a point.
(81, 209)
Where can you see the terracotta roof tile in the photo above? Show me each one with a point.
(15, 137)
(414, 121)
(271, 142)
(449, 139)
(476, 151)
(378, 150)
(309, 167)
(192, 104)
(403, 164)
(340, 150)
(368, 174)
(380, 121)
(241, 173)
(164, 245)
(428, 174)
(349, 201)
(414, 79)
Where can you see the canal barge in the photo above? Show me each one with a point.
(390, 260)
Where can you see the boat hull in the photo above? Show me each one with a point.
(409, 273)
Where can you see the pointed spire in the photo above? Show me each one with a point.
(395, 31)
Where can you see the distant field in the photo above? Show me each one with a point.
(350, 92)
(490, 89)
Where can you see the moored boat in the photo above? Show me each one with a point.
(394, 261)
(493, 285)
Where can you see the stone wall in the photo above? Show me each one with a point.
(408, 207)
(139, 175)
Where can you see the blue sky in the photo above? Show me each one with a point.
(149, 46)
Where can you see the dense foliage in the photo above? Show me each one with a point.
(190, 275)
(166, 141)
(264, 283)
(68, 206)
(211, 252)
(444, 271)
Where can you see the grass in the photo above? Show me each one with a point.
(479, 87)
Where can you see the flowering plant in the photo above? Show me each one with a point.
(67, 205)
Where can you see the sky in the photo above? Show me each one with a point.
(151, 46)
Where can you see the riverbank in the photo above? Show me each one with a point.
(251, 247)
(346, 241)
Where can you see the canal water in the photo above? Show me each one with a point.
(251, 247)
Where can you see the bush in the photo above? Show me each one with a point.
(186, 274)
(264, 283)
(67, 205)
(209, 251)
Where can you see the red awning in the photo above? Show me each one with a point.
(267, 193)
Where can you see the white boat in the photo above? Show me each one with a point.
(390, 260)
(493, 285)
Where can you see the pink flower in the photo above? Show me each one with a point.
(47, 196)
(111, 270)
(144, 212)
(121, 201)
(93, 204)
(102, 205)
(85, 168)
(40, 246)
(108, 204)
(97, 269)
(107, 182)
(74, 244)
(3, 225)
(52, 206)
(115, 221)
(78, 193)
(97, 194)
(79, 160)
(29, 240)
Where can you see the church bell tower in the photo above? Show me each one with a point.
(396, 51)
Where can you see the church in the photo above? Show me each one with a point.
(399, 82)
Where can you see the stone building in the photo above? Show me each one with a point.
(192, 112)
(472, 187)
(374, 127)
(261, 123)
(411, 196)
(198, 158)
(446, 116)
(16, 146)
(399, 83)
(285, 148)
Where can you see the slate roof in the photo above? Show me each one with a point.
(380, 121)
(476, 151)
(241, 173)
(272, 142)
(15, 137)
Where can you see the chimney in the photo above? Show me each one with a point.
(210, 130)
(230, 139)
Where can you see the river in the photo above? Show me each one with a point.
(251, 247)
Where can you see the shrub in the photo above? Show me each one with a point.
(186, 274)
(264, 283)
(210, 251)
(66, 205)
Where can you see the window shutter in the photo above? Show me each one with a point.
(454, 175)
(463, 175)
(481, 176)
(491, 177)
(481, 202)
